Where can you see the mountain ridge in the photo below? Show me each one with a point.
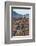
(17, 15)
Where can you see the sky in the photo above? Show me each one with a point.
(23, 11)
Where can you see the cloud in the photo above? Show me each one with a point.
(22, 11)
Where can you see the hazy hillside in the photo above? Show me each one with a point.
(17, 16)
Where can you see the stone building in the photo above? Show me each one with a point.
(22, 27)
